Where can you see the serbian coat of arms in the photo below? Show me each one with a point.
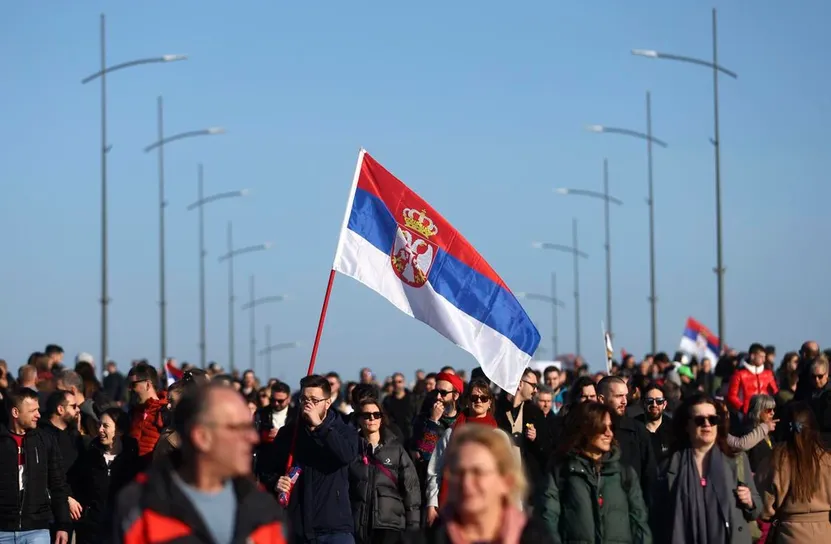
(412, 253)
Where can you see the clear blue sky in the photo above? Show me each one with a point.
(479, 106)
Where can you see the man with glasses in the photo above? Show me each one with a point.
(205, 492)
(400, 406)
(319, 507)
(146, 422)
(656, 421)
(274, 417)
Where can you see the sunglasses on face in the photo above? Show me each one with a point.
(281, 401)
(532, 384)
(701, 420)
(479, 398)
(370, 416)
(444, 393)
(818, 376)
(658, 400)
(135, 383)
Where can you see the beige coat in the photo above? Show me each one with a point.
(799, 522)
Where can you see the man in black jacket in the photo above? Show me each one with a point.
(632, 436)
(319, 507)
(32, 484)
(202, 493)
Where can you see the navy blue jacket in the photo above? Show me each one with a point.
(320, 499)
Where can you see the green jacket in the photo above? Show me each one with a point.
(570, 502)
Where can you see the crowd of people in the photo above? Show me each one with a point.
(666, 450)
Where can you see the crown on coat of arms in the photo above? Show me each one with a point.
(419, 222)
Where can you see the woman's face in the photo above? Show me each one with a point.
(603, 441)
(476, 486)
(703, 425)
(480, 402)
(766, 416)
(106, 431)
(793, 362)
(252, 407)
(369, 418)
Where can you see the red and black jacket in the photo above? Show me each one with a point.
(154, 510)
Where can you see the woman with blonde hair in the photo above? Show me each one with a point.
(796, 485)
(486, 487)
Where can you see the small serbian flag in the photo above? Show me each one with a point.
(699, 341)
(396, 244)
(174, 373)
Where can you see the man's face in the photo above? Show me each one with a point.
(655, 404)
(28, 414)
(589, 394)
(317, 399)
(446, 392)
(111, 368)
(366, 376)
(544, 401)
(334, 385)
(69, 412)
(56, 358)
(398, 383)
(227, 436)
(429, 384)
(617, 398)
(757, 358)
(552, 379)
(419, 375)
(528, 386)
(280, 400)
(141, 388)
(819, 375)
(248, 379)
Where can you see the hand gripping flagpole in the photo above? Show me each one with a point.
(291, 471)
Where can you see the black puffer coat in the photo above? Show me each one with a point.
(384, 489)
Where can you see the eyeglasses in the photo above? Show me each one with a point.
(444, 393)
(479, 399)
(657, 400)
(701, 420)
(280, 401)
(769, 410)
(135, 383)
(370, 416)
(819, 376)
(532, 384)
(311, 400)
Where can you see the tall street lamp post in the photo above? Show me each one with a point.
(251, 306)
(650, 201)
(272, 348)
(159, 144)
(230, 256)
(607, 199)
(716, 141)
(201, 200)
(105, 148)
(555, 305)
(574, 250)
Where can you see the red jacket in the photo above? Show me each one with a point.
(747, 381)
(146, 423)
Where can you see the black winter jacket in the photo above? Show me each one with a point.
(154, 510)
(637, 452)
(70, 443)
(384, 489)
(43, 476)
(319, 501)
(534, 532)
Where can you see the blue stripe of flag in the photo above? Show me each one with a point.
(465, 288)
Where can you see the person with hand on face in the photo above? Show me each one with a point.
(438, 413)
(319, 507)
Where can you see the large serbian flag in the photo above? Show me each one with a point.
(396, 244)
(699, 341)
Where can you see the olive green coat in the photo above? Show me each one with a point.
(583, 503)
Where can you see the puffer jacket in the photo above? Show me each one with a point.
(582, 503)
(383, 488)
(146, 423)
(749, 380)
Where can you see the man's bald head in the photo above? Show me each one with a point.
(809, 350)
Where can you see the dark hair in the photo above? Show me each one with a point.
(16, 395)
(144, 371)
(52, 349)
(375, 402)
(317, 381)
(654, 387)
(583, 422)
(550, 368)
(192, 406)
(195, 375)
(91, 385)
(683, 415)
(481, 385)
(281, 387)
(334, 375)
(447, 368)
(802, 450)
(120, 418)
(576, 389)
(755, 348)
(55, 400)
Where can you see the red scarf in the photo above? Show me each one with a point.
(487, 420)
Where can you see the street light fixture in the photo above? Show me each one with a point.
(555, 305)
(252, 306)
(200, 204)
(716, 141)
(574, 250)
(272, 348)
(105, 148)
(650, 139)
(159, 144)
(607, 199)
(230, 256)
